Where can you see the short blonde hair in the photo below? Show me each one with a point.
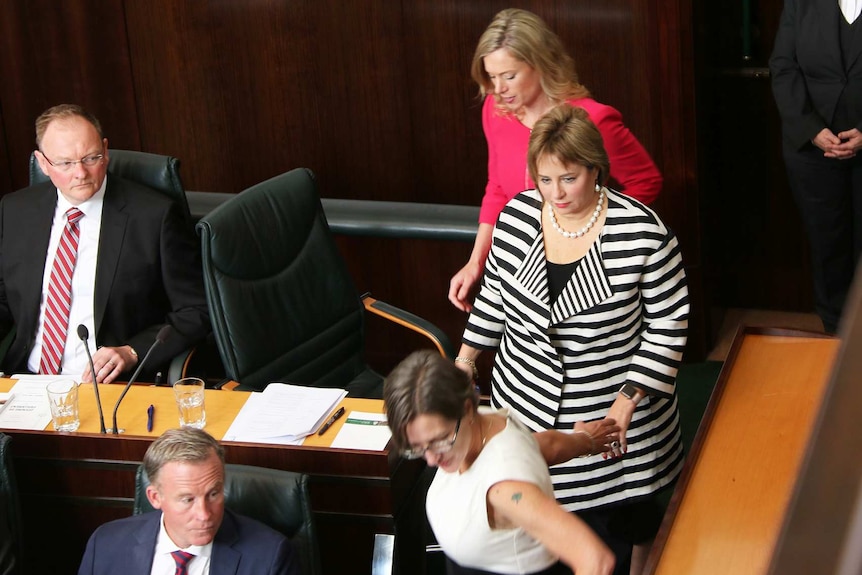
(568, 134)
(187, 444)
(528, 38)
(62, 112)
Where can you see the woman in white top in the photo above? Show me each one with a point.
(491, 504)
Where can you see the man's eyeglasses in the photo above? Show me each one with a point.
(88, 161)
(438, 447)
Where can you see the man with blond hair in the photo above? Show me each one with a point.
(191, 533)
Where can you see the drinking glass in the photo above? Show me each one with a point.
(63, 399)
(189, 393)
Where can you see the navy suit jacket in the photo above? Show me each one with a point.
(242, 546)
(808, 72)
(148, 271)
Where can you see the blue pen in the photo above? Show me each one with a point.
(151, 410)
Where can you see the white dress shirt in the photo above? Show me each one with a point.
(850, 9)
(163, 562)
(74, 360)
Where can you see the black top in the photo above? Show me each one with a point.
(558, 276)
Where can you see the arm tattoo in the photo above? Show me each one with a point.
(516, 497)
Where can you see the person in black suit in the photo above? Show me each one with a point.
(816, 68)
(186, 471)
(138, 263)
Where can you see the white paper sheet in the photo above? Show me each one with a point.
(283, 414)
(363, 430)
(29, 407)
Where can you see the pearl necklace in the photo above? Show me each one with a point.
(593, 219)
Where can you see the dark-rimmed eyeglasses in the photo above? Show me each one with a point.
(438, 447)
(88, 161)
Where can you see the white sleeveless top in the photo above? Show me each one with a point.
(457, 511)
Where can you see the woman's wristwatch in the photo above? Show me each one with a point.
(631, 392)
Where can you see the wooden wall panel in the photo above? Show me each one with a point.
(255, 89)
(374, 96)
(55, 51)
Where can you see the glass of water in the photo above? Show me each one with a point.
(63, 399)
(189, 393)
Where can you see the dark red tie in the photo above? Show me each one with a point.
(60, 295)
(182, 559)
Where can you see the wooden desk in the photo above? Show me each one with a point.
(83, 479)
(727, 510)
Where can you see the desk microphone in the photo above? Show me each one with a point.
(84, 334)
(160, 338)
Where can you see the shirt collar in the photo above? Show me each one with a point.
(93, 205)
(166, 546)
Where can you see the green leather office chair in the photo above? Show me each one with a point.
(160, 173)
(11, 555)
(282, 303)
(274, 497)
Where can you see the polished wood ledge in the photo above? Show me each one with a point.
(728, 507)
(71, 483)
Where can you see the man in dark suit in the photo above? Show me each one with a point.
(192, 534)
(135, 266)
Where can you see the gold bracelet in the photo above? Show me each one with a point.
(471, 363)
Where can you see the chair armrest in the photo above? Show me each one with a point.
(412, 322)
(179, 366)
(228, 384)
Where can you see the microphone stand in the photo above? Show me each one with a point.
(160, 338)
(84, 334)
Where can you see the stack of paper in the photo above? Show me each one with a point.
(283, 414)
(27, 406)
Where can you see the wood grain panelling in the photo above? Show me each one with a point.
(255, 89)
(450, 156)
(374, 96)
(56, 51)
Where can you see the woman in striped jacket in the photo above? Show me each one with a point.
(584, 300)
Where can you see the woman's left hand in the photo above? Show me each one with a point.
(621, 411)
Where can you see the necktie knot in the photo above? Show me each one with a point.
(182, 559)
(73, 215)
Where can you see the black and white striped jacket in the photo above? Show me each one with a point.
(623, 316)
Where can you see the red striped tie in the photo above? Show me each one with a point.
(60, 295)
(182, 559)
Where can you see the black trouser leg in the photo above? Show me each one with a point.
(828, 193)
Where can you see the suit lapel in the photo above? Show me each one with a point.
(532, 277)
(225, 559)
(141, 561)
(818, 28)
(111, 235)
(587, 288)
(852, 59)
(42, 219)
